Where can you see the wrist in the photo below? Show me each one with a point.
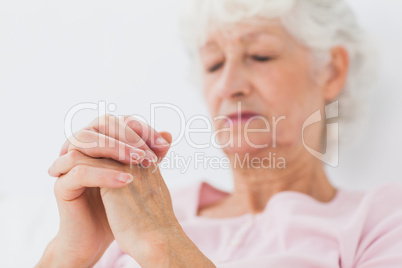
(172, 249)
(50, 257)
(58, 256)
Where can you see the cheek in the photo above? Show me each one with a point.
(289, 90)
(277, 90)
(291, 85)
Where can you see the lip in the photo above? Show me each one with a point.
(242, 117)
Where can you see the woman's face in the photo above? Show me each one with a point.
(263, 70)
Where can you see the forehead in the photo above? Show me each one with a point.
(243, 33)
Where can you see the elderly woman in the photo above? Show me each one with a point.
(266, 68)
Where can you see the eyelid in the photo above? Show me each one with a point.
(261, 58)
(215, 67)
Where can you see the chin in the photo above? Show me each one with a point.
(254, 144)
(258, 144)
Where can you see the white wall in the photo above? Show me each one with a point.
(56, 54)
(375, 159)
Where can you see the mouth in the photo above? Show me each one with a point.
(242, 117)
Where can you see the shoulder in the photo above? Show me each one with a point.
(382, 202)
(381, 240)
(379, 208)
(392, 189)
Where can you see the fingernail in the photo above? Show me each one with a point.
(125, 177)
(151, 156)
(137, 154)
(161, 141)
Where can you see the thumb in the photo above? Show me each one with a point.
(168, 137)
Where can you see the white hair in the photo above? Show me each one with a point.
(318, 24)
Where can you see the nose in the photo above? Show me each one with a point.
(234, 82)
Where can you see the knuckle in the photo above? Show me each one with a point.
(102, 125)
(58, 186)
(91, 128)
(78, 171)
(81, 135)
(105, 121)
(74, 156)
(127, 118)
(71, 146)
(78, 140)
(132, 122)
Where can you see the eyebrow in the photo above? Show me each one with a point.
(252, 35)
(245, 37)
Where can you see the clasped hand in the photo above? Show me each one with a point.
(109, 187)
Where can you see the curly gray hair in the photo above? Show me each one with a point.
(318, 24)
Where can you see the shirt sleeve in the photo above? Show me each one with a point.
(382, 246)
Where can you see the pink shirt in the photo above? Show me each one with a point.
(355, 229)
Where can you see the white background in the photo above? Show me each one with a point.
(57, 54)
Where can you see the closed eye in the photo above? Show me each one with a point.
(255, 57)
(215, 67)
(260, 58)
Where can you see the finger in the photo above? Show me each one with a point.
(168, 137)
(149, 135)
(65, 163)
(111, 126)
(97, 145)
(73, 184)
(64, 148)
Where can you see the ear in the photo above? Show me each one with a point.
(338, 73)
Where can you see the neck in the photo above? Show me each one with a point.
(253, 187)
